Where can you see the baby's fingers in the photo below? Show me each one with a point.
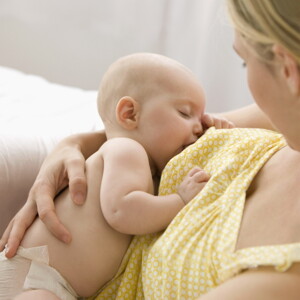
(207, 121)
(225, 124)
(219, 122)
(198, 175)
(201, 176)
(193, 171)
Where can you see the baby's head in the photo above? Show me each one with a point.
(153, 100)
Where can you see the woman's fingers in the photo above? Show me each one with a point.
(77, 180)
(5, 236)
(53, 181)
(66, 165)
(43, 194)
(46, 212)
(15, 231)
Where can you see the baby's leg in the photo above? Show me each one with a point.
(37, 295)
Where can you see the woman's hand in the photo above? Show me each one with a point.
(65, 165)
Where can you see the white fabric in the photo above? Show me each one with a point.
(34, 115)
(29, 269)
(31, 105)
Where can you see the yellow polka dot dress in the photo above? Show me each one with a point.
(197, 251)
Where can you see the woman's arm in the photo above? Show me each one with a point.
(64, 165)
(250, 116)
(88, 142)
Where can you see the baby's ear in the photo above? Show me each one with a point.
(127, 111)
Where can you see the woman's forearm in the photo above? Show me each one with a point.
(250, 116)
(88, 143)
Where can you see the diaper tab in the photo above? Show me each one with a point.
(39, 254)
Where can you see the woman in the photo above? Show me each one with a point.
(268, 40)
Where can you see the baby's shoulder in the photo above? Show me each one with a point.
(123, 152)
(121, 145)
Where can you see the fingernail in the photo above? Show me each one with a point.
(78, 198)
(66, 239)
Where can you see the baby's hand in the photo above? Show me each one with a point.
(192, 184)
(209, 120)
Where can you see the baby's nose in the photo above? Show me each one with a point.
(198, 129)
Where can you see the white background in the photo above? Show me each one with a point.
(72, 42)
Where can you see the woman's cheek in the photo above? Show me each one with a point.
(258, 85)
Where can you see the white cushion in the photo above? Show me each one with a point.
(34, 115)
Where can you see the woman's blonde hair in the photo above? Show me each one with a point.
(264, 23)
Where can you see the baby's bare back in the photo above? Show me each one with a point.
(96, 251)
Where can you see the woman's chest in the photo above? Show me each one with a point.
(272, 207)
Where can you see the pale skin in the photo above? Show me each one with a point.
(275, 189)
(49, 183)
(109, 217)
(52, 176)
(122, 177)
(271, 214)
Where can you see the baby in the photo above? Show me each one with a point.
(152, 108)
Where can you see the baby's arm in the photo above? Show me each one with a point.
(126, 195)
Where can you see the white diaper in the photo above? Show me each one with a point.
(28, 270)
